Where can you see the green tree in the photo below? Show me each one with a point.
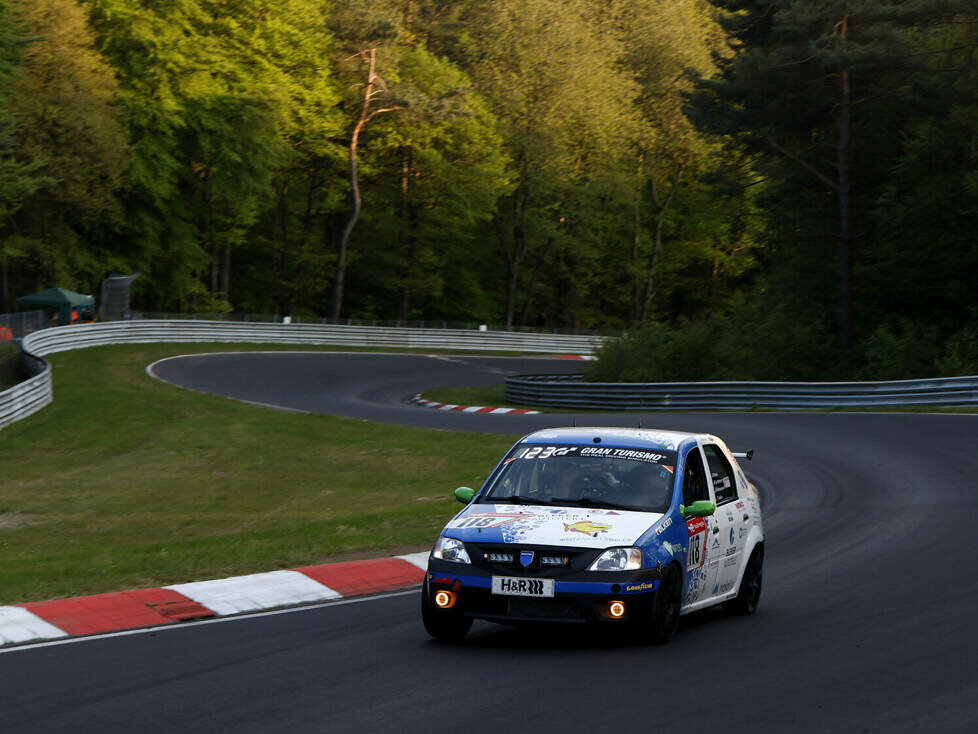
(18, 177)
(73, 137)
(215, 99)
(923, 266)
(550, 71)
(803, 89)
(451, 171)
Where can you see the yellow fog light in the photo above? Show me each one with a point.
(617, 609)
(445, 599)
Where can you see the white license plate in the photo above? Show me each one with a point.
(515, 586)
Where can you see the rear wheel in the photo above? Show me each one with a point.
(664, 619)
(442, 624)
(749, 593)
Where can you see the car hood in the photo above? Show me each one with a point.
(538, 525)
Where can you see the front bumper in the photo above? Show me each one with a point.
(579, 597)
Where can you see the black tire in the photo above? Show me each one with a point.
(749, 593)
(441, 624)
(666, 604)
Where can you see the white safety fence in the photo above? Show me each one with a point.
(569, 392)
(33, 394)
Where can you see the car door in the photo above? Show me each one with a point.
(726, 540)
(701, 564)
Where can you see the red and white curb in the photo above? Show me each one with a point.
(586, 357)
(418, 400)
(99, 613)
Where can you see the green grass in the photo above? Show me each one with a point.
(126, 482)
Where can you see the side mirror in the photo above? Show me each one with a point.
(700, 508)
(464, 495)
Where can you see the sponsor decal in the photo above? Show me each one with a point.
(742, 532)
(695, 526)
(726, 586)
(729, 562)
(663, 526)
(531, 587)
(526, 558)
(731, 536)
(740, 505)
(541, 452)
(587, 527)
(695, 581)
(696, 555)
(488, 519)
(644, 586)
(674, 549)
(545, 452)
(730, 551)
(650, 457)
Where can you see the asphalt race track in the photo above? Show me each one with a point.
(867, 619)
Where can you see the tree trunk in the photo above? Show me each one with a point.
(406, 238)
(282, 284)
(660, 217)
(636, 241)
(519, 250)
(537, 267)
(365, 116)
(5, 284)
(337, 305)
(226, 273)
(845, 231)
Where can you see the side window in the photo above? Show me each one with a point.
(724, 484)
(694, 479)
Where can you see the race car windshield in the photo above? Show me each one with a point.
(586, 476)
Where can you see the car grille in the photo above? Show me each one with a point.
(519, 608)
(492, 558)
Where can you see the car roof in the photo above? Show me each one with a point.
(651, 438)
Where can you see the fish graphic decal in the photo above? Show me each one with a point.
(586, 527)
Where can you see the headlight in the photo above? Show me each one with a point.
(618, 559)
(449, 549)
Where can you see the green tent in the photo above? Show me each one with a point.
(59, 298)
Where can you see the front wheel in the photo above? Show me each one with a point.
(664, 619)
(441, 624)
(749, 593)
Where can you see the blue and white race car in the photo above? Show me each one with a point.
(604, 525)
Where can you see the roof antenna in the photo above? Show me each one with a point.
(640, 422)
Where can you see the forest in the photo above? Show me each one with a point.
(748, 189)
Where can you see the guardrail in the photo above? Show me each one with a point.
(561, 391)
(33, 394)
(566, 391)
